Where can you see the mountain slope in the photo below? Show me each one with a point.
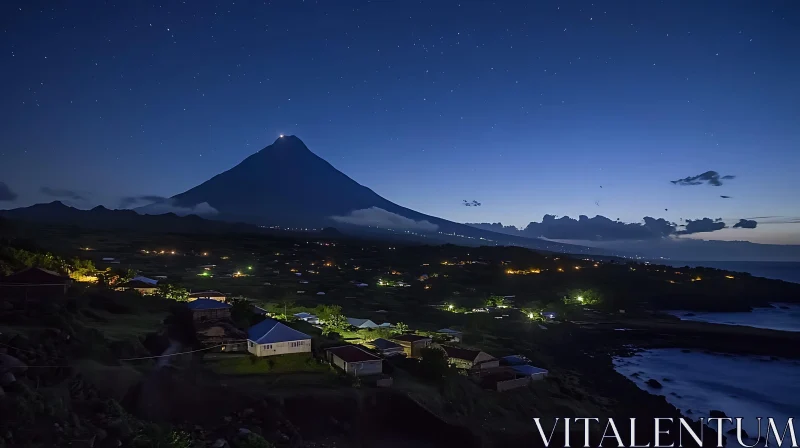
(287, 185)
(283, 184)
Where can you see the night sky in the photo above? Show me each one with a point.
(528, 107)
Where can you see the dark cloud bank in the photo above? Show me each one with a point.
(745, 224)
(601, 228)
(709, 177)
(6, 194)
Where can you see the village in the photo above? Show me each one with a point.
(366, 310)
(479, 338)
(354, 346)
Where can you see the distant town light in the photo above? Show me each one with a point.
(530, 315)
(281, 136)
(449, 307)
(580, 298)
(250, 268)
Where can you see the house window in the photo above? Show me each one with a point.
(297, 343)
(250, 344)
(267, 346)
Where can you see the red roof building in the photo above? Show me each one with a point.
(355, 360)
(34, 283)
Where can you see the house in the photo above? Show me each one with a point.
(514, 360)
(453, 335)
(521, 365)
(355, 360)
(271, 337)
(211, 295)
(361, 323)
(139, 286)
(320, 293)
(34, 283)
(386, 325)
(412, 343)
(140, 278)
(307, 317)
(204, 310)
(469, 359)
(549, 314)
(534, 373)
(386, 347)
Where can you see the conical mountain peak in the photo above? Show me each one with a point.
(288, 142)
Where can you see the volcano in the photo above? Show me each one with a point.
(286, 185)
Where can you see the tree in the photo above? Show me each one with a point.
(83, 270)
(581, 297)
(433, 364)
(496, 301)
(242, 312)
(173, 292)
(335, 324)
(325, 312)
(400, 328)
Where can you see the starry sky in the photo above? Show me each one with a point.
(528, 107)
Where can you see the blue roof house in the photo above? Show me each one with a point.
(271, 337)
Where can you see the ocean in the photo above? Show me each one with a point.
(779, 270)
(784, 317)
(740, 386)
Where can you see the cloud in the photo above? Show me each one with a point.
(745, 224)
(601, 228)
(129, 201)
(62, 193)
(709, 177)
(472, 204)
(724, 197)
(6, 194)
(171, 206)
(378, 217)
(702, 226)
(159, 205)
(584, 228)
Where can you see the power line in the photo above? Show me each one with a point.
(120, 360)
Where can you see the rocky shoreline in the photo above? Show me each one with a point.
(604, 342)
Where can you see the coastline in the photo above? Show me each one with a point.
(604, 343)
(788, 271)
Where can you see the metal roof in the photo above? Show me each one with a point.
(528, 370)
(270, 331)
(352, 354)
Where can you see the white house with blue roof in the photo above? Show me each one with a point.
(271, 337)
